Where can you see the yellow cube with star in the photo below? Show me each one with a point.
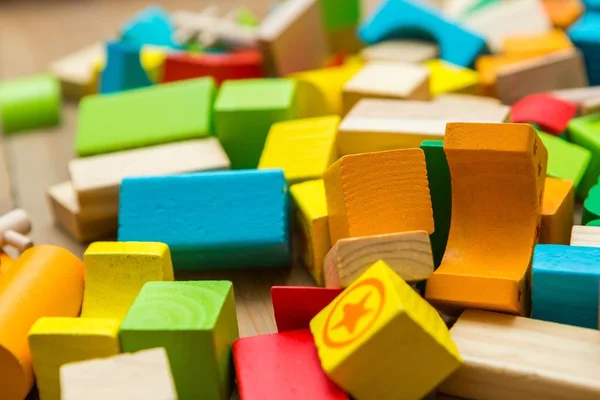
(450, 78)
(379, 339)
(303, 148)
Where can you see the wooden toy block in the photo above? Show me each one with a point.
(295, 306)
(56, 341)
(407, 253)
(536, 44)
(438, 177)
(563, 13)
(591, 205)
(152, 59)
(344, 41)
(449, 78)
(595, 222)
(488, 67)
(566, 160)
(123, 69)
(339, 15)
(559, 70)
(310, 241)
(145, 374)
(377, 193)
(374, 314)
(244, 113)
(386, 80)
(152, 25)
(282, 366)
(550, 113)
(489, 249)
(145, 117)
(564, 283)
(116, 271)
(6, 262)
(582, 132)
(197, 327)
(44, 281)
(242, 221)
(378, 125)
(96, 179)
(586, 38)
(557, 211)
(76, 71)
(222, 67)
(295, 24)
(502, 352)
(98, 223)
(399, 18)
(29, 103)
(591, 105)
(507, 18)
(585, 236)
(402, 50)
(577, 95)
(303, 148)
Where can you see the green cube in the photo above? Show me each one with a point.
(244, 112)
(145, 117)
(585, 131)
(196, 323)
(340, 14)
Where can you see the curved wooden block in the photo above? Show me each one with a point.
(498, 173)
(44, 281)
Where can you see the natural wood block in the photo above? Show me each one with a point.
(385, 79)
(566, 160)
(563, 13)
(449, 78)
(97, 179)
(57, 341)
(115, 273)
(310, 239)
(558, 204)
(565, 285)
(44, 281)
(591, 105)
(401, 50)
(145, 374)
(503, 352)
(486, 264)
(407, 253)
(536, 44)
(489, 65)
(550, 113)
(577, 95)
(377, 193)
(196, 327)
(76, 71)
(303, 148)
(559, 70)
(365, 324)
(585, 236)
(295, 24)
(582, 132)
(295, 306)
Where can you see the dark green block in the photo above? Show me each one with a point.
(591, 205)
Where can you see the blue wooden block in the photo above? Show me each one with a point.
(585, 35)
(123, 70)
(152, 25)
(565, 284)
(592, 5)
(406, 19)
(233, 219)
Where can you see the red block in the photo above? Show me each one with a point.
(550, 113)
(222, 67)
(295, 306)
(282, 366)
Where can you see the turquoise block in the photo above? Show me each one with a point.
(123, 69)
(565, 284)
(585, 35)
(152, 25)
(234, 219)
(408, 19)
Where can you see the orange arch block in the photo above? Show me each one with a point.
(45, 281)
(498, 173)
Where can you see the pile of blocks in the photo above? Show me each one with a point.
(425, 167)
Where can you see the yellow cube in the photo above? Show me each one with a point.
(303, 148)
(449, 78)
(311, 234)
(380, 340)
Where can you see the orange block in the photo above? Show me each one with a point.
(557, 211)
(44, 281)
(497, 174)
(378, 193)
(6, 262)
(563, 13)
(488, 67)
(536, 45)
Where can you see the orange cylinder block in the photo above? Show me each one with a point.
(44, 281)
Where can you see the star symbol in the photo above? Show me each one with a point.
(534, 147)
(539, 168)
(353, 312)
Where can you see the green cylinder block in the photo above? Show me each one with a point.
(29, 103)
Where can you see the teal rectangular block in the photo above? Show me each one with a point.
(145, 117)
(244, 112)
(233, 219)
(195, 322)
(565, 284)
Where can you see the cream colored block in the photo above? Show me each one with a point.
(407, 50)
(586, 236)
(76, 71)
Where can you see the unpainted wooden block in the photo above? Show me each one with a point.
(558, 204)
(585, 236)
(401, 50)
(76, 71)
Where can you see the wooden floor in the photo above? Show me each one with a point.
(35, 33)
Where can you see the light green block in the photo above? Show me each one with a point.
(145, 117)
(244, 112)
(585, 131)
(196, 323)
(340, 14)
(29, 103)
